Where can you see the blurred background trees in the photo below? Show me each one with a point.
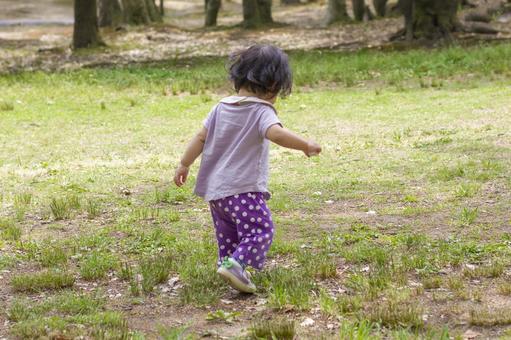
(424, 19)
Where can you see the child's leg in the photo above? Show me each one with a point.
(225, 226)
(255, 229)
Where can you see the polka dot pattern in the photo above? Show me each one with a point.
(246, 234)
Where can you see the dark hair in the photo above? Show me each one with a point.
(262, 69)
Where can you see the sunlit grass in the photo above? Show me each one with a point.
(410, 186)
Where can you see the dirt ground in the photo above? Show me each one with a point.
(28, 42)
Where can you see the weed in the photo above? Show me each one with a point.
(9, 230)
(6, 106)
(504, 288)
(348, 304)
(60, 209)
(455, 283)
(41, 281)
(450, 173)
(74, 202)
(93, 209)
(52, 256)
(273, 329)
(466, 190)
(173, 333)
(492, 270)
(125, 271)
(96, 265)
(360, 330)
(393, 313)
(23, 199)
(155, 271)
(411, 199)
(221, 315)
(327, 303)
(468, 216)
(287, 287)
(432, 282)
(486, 317)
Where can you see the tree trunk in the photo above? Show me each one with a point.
(358, 9)
(380, 6)
(86, 32)
(336, 11)
(152, 10)
(289, 2)
(135, 12)
(162, 8)
(256, 13)
(110, 13)
(212, 8)
(429, 19)
(265, 11)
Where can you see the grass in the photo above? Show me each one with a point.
(273, 329)
(406, 135)
(96, 265)
(46, 280)
(58, 316)
(9, 230)
(490, 317)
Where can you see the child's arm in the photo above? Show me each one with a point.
(193, 151)
(288, 139)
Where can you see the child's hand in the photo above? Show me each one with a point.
(313, 149)
(181, 175)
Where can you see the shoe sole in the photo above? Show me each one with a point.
(234, 282)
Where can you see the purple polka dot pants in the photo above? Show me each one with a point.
(244, 228)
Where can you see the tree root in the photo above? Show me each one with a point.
(479, 28)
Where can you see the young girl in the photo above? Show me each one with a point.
(233, 175)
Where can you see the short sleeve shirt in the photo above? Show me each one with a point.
(236, 150)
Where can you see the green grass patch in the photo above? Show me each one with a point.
(46, 280)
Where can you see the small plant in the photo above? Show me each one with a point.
(23, 199)
(221, 315)
(468, 216)
(19, 311)
(38, 282)
(411, 199)
(60, 209)
(74, 202)
(135, 288)
(154, 271)
(6, 106)
(492, 270)
(52, 255)
(348, 304)
(9, 230)
(466, 190)
(397, 136)
(394, 313)
(125, 271)
(504, 288)
(357, 331)
(455, 283)
(96, 266)
(287, 287)
(486, 317)
(93, 209)
(273, 329)
(450, 173)
(432, 282)
(173, 333)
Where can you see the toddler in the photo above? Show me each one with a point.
(233, 174)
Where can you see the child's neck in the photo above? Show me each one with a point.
(246, 93)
